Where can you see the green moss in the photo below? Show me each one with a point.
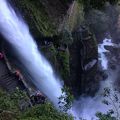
(9, 109)
(63, 58)
(66, 37)
(36, 16)
(44, 112)
(6, 103)
(50, 53)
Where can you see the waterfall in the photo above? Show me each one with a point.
(101, 50)
(87, 107)
(16, 32)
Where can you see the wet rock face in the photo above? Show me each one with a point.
(83, 54)
(96, 20)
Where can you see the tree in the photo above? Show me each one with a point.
(66, 99)
(66, 37)
(9, 109)
(111, 99)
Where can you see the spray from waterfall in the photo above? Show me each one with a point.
(17, 34)
(101, 50)
(87, 107)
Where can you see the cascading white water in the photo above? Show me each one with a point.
(101, 50)
(87, 107)
(17, 34)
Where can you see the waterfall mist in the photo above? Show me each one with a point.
(87, 107)
(16, 32)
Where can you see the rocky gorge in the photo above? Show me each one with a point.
(61, 40)
(68, 34)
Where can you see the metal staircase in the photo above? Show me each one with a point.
(8, 81)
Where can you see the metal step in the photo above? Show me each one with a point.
(8, 81)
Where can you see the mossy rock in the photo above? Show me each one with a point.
(44, 112)
(50, 53)
(64, 65)
(36, 16)
(39, 112)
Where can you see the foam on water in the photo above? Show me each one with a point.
(102, 51)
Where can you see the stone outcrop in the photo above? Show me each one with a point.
(82, 52)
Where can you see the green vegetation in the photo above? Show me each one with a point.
(10, 110)
(50, 52)
(97, 4)
(111, 99)
(65, 37)
(39, 21)
(64, 66)
(37, 17)
(105, 116)
(66, 99)
(44, 112)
